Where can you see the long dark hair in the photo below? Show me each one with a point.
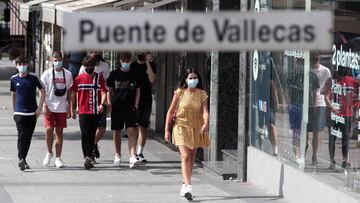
(183, 84)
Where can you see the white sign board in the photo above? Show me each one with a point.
(223, 31)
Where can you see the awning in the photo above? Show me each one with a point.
(26, 7)
(48, 10)
(77, 6)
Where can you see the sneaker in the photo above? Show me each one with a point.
(345, 165)
(134, 162)
(315, 162)
(96, 152)
(47, 158)
(117, 160)
(22, 165)
(26, 165)
(59, 163)
(87, 164)
(188, 193)
(141, 158)
(182, 190)
(93, 161)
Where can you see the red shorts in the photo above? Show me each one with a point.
(52, 119)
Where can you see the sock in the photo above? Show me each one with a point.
(139, 149)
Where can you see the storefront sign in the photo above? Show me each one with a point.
(348, 59)
(224, 31)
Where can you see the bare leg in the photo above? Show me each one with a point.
(142, 136)
(58, 141)
(273, 138)
(186, 167)
(132, 140)
(316, 143)
(99, 134)
(49, 139)
(193, 155)
(117, 141)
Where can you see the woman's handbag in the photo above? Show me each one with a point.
(173, 117)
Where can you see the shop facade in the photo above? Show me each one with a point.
(261, 102)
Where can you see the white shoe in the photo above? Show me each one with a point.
(182, 191)
(47, 158)
(59, 163)
(134, 162)
(117, 160)
(188, 192)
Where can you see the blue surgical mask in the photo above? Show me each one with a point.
(125, 66)
(22, 69)
(192, 83)
(58, 64)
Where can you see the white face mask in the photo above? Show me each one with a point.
(58, 64)
(192, 83)
(22, 69)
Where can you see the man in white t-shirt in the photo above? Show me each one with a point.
(57, 81)
(318, 109)
(102, 68)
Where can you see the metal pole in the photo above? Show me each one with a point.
(214, 89)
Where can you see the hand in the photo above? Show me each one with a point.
(38, 112)
(148, 57)
(205, 128)
(109, 108)
(45, 110)
(167, 136)
(73, 113)
(100, 108)
(68, 114)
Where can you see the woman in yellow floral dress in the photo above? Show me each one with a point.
(190, 130)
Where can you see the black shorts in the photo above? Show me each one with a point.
(144, 114)
(102, 120)
(128, 118)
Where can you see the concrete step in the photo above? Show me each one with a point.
(225, 169)
(229, 154)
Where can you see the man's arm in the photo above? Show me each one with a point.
(137, 98)
(41, 101)
(13, 95)
(151, 74)
(72, 104)
(109, 104)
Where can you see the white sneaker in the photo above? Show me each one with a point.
(117, 160)
(59, 163)
(47, 158)
(134, 162)
(188, 192)
(182, 191)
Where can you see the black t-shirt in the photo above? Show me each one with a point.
(145, 85)
(123, 86)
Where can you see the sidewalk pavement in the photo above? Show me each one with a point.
(159, 180)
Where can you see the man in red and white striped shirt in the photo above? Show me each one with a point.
(89, 87)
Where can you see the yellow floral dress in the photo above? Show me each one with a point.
(189, 120)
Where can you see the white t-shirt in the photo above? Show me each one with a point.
(55, 103)
(322, 73)
(102, 69)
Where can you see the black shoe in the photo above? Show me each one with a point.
(141, 158)
(345, 165)
(315, 162)
(22, 165)
(96, 152)
(26, 165)
(87, 164)
(188, 196)
(332, 165)
(125, 136)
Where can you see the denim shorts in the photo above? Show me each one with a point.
(317, 118)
